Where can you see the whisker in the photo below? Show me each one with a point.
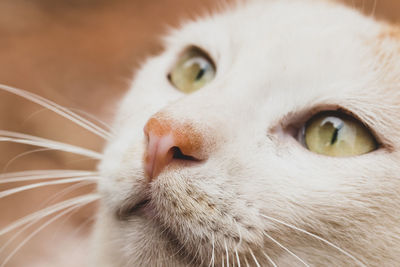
(87, 114)
(270, 260)
(213, 248)
(64, 220)
(18, 233)
(64, 192)
(41, 184)
(30, 236)
(14, 177)
(317, 237)
(8, 136)
(23, 154)
(67, 190)
(226, 253)
(240, 234)
(237, 257)
(247, 263)
(195, 255)
(39, 172)
(62, 111)
(49, 210)
(254, 258)
(286, 249)
(92, 117)
(9, 241)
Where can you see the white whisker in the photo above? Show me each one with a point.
(213, 251)
(270, 260)
(48, 183)
(286, 249)
(23, 154)
(226, 253)
(49, 210)
(237, 257)
(64, 220)
(67, 190)
(92, 117)
(240, 234)
(64, 112)
(14, 177)
(37, 219)
(223, 260)
(18, 233)
(254, 258)
(317, 237)
(8, 136)
(30, 236)
(247, 263)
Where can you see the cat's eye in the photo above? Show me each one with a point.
(193, 70)
(336, 134)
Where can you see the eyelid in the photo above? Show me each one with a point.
(295, 122)
(198, 48)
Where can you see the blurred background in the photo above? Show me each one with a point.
(80, 54)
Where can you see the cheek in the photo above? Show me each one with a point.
(121, 168)
(291, 181)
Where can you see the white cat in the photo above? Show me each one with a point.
(266, 135)
(234, 167)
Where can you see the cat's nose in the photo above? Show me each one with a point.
(170, 141)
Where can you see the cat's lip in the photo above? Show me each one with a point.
(139, 206)
(136, 209)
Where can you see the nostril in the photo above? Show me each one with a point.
(169, 141)
(177, 154)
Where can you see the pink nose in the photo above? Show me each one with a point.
(167, 141)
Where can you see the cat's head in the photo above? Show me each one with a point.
(267, 133)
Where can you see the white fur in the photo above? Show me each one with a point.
(277, 62)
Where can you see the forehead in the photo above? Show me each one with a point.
(295, 45)
(300, 38)
(288, 19)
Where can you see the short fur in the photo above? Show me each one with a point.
(277, 63)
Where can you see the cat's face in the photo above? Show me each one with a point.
(242, 171)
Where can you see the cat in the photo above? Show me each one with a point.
(219, 175)
(266, 134)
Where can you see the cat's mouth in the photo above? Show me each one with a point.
(139, 208)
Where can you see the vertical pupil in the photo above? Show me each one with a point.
(332, 126)
(334, 136)
(196, 68)
(200, 74)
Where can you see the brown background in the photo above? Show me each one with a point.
(80, 54)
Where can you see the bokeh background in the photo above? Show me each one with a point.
(81, 54)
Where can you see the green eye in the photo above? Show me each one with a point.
(193, 70)
(338, 135)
